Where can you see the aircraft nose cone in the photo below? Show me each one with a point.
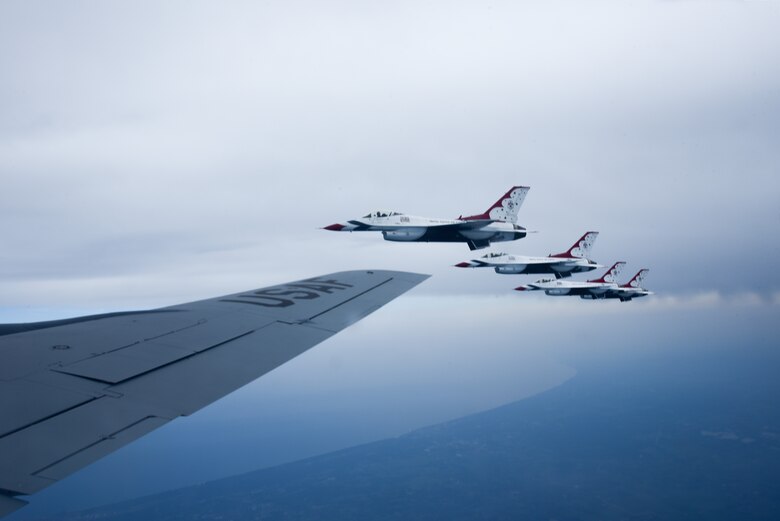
(520, 288)
(463, 265)
(335, 227)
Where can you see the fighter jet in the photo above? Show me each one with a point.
(496, 224)
(632, 289)
(595, 288)
(561, 265)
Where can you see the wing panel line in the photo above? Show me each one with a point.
(95, 379)
(50, 416)
(87, 447)
(348, 300)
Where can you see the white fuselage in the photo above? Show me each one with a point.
(625, 294)
(496, 224)
(562, 288)
(519, 264)
(401, 227)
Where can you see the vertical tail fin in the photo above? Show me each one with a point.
(581, 248)
(506, 208)
(612, 273)
(636, 282)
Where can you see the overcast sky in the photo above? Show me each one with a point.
(153, 153)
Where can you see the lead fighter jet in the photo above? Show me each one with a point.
(596, 288)
(75, 390)
(496, 224)
(561, 265)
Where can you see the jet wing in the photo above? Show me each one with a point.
(454, 229)
(75, 390)
(544, 261)
(431, 227)
(466, 225)
(525, 261)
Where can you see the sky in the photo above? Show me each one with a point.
(153, 153)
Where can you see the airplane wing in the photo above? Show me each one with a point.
(545, 261)
(432, 227)
(75, 390)
(449, 229)
(466, 225)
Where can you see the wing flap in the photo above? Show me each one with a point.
(213, 330)
(122, 364)
(37, 350)
(116, 367)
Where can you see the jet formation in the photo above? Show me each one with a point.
(499, 224)
(81, 388)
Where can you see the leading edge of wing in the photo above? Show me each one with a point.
(124, 375)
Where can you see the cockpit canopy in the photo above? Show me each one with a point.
(380, 213)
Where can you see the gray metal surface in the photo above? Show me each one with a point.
(73, 391)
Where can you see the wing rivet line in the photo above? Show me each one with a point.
(60, 347)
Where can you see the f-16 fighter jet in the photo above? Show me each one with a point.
(497, 224)
(596, 288)
(561, 265)
(632, 289)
